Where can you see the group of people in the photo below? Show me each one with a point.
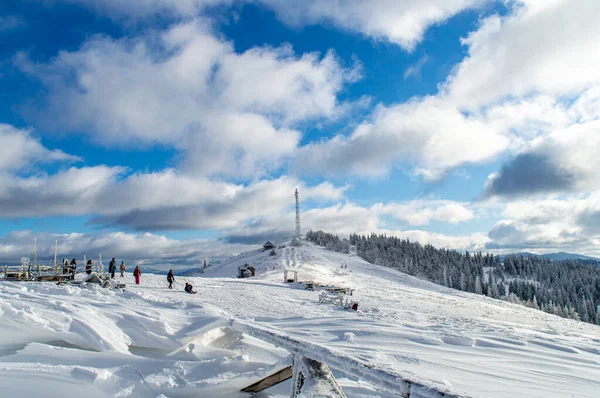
(71, 268)
(112, 268)
(188, 286)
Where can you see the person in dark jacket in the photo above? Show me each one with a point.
(65, 267)
(112, 268)
(88, 267)
(189, 289)
(137, 273)
(72, 268)
(170, 278)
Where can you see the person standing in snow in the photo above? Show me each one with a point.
(170, 278)
(137, 273)
(88, 267)
(112, 268)
(122, 269)
(65, 267)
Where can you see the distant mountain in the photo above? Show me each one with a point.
(182, 272)
(560, 256)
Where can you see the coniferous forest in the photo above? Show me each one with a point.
(570, 288)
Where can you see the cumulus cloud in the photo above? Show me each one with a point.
(422, 212)
(527, 173)
(18, 149)
(528, 76)
(148, 8)
(542, 47)
(564, 161)
(403, 22)
(229, 113)
(429, 133)
(166, 200)
(146, 249)
(345, 219)
(566, 223)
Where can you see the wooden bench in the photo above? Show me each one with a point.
(331, 298)
(337, 289)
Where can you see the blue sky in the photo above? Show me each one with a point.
(468, 124)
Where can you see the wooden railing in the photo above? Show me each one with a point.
(312, 363)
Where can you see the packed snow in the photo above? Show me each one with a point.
(149, 341)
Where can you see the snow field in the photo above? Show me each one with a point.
(150, 341)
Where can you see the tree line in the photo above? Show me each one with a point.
(570, 288)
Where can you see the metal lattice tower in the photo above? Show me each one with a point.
(297, 216)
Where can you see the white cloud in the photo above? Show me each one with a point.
(230, 113)
(148, 8)
(529, 79)
(545, 47)
(163, 200)
(347, 218)
(567, 223)
(9, 22)
(566, 160)
(135, 249)
(473, 242)
(403, 22)
(414, 70)
(18, 149)
(422, 212)
(429, 134)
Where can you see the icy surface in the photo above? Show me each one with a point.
(150, 341)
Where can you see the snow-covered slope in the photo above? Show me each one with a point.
(150, 340)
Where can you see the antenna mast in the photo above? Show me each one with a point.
(297, 216)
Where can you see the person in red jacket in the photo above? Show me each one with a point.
(137, 273)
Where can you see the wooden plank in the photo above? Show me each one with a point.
(271, 380)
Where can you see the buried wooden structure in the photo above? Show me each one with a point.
(313, 377)
(312, 364)
(286, 271)
(53, 272)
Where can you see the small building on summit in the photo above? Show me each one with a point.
(246, 271)
(269, 246)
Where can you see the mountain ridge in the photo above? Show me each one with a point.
(558, 256)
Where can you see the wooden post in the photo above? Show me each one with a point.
(55, 250)
(313, 377)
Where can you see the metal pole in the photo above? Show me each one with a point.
(55, 250)
(34, 251)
